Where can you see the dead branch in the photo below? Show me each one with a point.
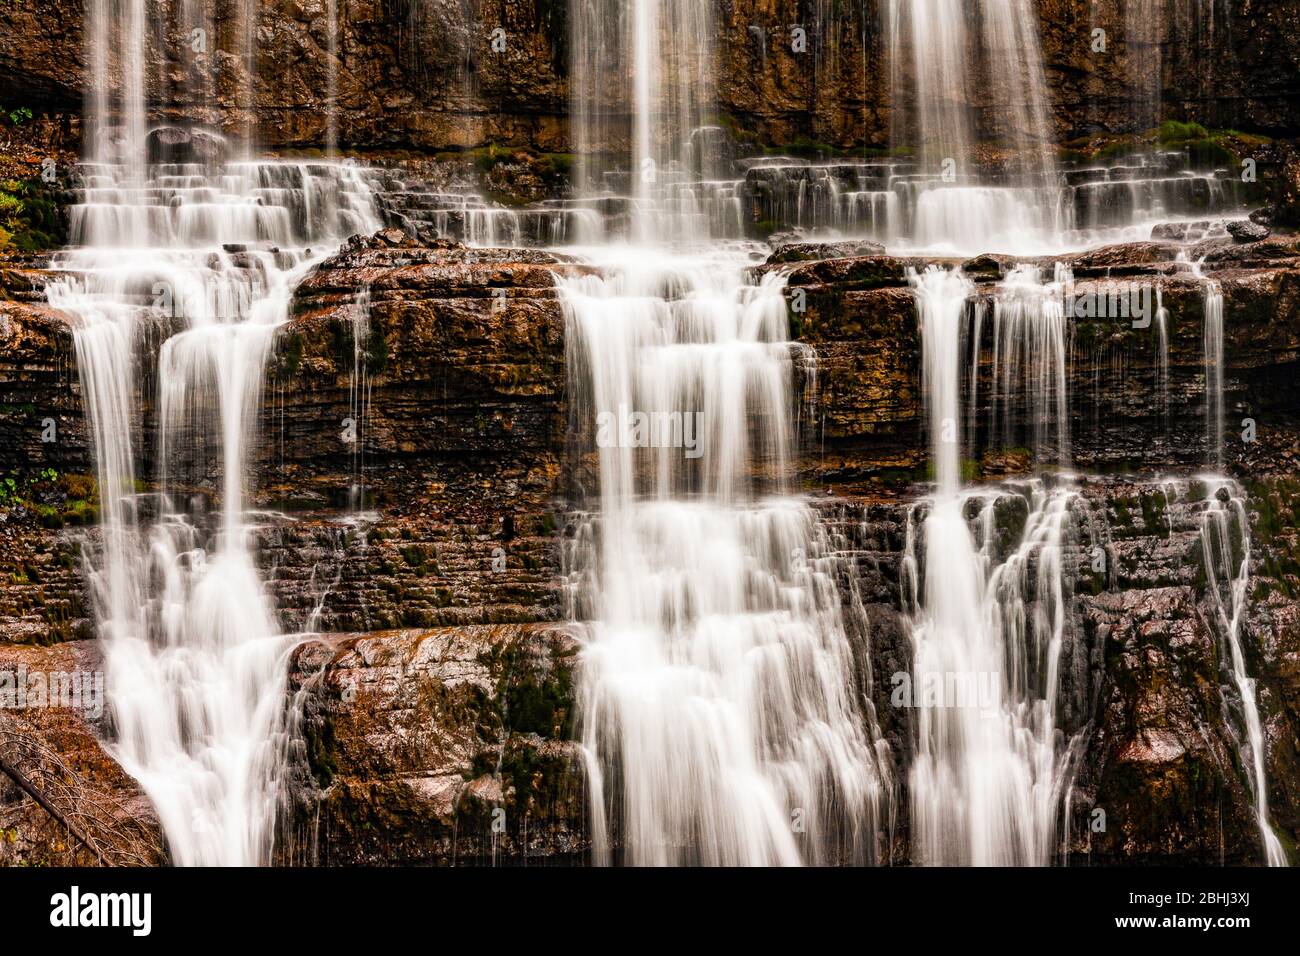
(92, 814)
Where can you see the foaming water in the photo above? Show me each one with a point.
(718, 701)
(938, 49)
(206, 262)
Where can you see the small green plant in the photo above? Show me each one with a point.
(29, 216)
(19, 115)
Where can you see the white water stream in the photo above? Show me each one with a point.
(718, 698)
(195, 661)
(991, 768)
(177, 276)
(1225, 530)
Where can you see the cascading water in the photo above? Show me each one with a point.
(934, 63)
(204, 258)
(1214, 410)
(1162, 360)
(1225, 530)
(1029, 361)
(332, 78)
(973, 168)
(717, 704)
(989, 775)
(643, 83)
(194, 659)
(1143, 45)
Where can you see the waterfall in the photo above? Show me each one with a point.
(332, 78)
(194, 659)
(202, 257)
(929, 36)
(1029, 359)
(359, 399)
(988, 778)
(1212, 345)
(717, 704)
(1143, 49)
(643, 87)
(1162, 360)
(940, 51)
(721, 704)
(1226, 522)
(117, 50)
(1214, 408)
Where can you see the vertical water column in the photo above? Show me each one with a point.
(115, 104)
(1213, 344)
(1224, 523)
(928, 77)
(988, 776)
(964, 75)
(643, 85)
(332, 78)
(1029, 362)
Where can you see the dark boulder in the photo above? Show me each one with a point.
(1243, 230)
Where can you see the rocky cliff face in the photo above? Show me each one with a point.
(447, 519)
(445, 746)
(436, 75)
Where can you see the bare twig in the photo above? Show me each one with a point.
(14, 774)
(94, 815)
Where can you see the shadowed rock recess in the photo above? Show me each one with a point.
(420, 475)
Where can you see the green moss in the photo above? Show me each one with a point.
(318, 737)
(1204, 153)
(1153, 511)
(55, 498)
(1274, 504)
(1117, 151)
(560, 163)
(536, 696)
(1172, 132)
